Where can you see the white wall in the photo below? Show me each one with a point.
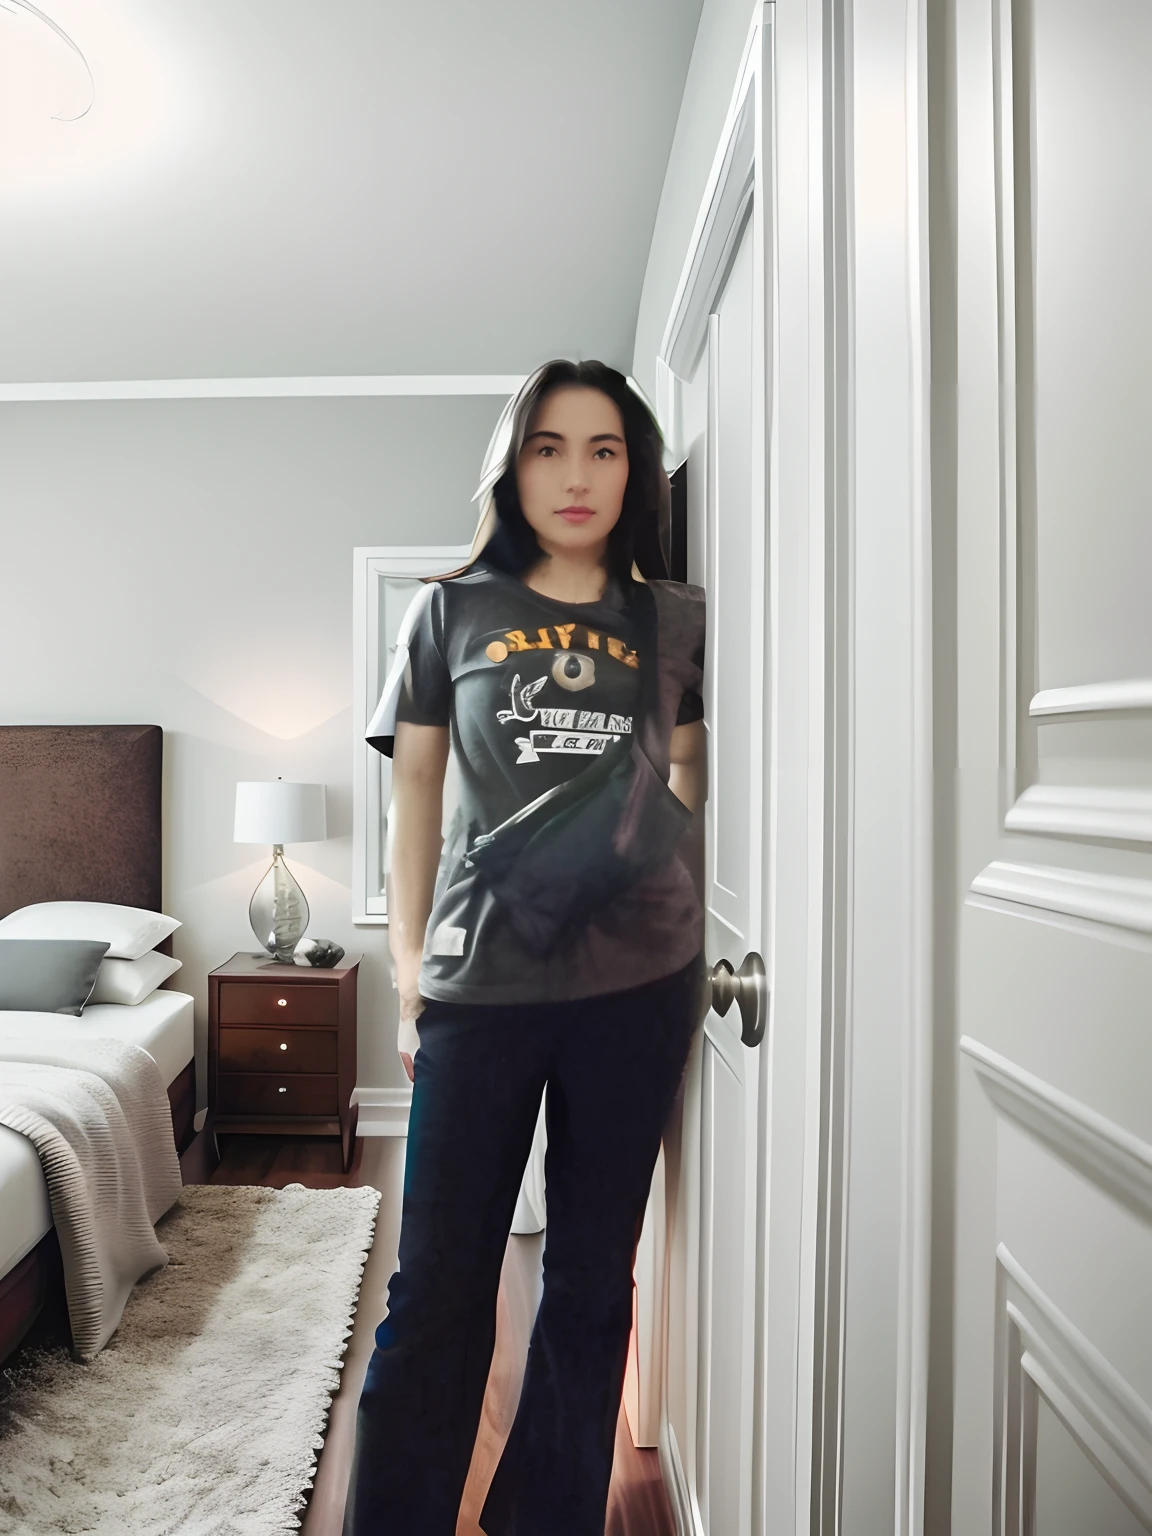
(188, 564)
(712, 74)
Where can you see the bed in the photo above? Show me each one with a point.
(80, 820)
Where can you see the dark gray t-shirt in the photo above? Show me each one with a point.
(533, 690)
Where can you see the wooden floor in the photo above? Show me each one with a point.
(637, 1504)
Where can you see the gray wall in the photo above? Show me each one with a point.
(720, 39)
(188, 564)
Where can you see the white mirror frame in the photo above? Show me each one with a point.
(371, 771)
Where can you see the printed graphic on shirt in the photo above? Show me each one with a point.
(583, 731)
(574, 672)
(551, 637)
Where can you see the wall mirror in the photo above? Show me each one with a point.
(384, 581)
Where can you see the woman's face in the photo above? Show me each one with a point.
(572, 470)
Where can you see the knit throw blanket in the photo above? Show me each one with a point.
(97, 1113)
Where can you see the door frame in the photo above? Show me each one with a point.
(816, 175)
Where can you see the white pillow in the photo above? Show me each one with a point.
(131, 981)
(129, 932)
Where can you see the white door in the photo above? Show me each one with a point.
(715, 1312)
(1052, 249)
(729, 1065)
(713, 375)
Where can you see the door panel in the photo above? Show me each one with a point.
(1073, 1497)
(1053, 1364)
(732, 573)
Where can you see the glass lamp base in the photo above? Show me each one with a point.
(278, 911)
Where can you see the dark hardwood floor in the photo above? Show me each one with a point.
(637, 1503)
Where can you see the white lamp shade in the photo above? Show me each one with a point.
(275, 812)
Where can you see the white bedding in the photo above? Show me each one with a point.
(162, 1025)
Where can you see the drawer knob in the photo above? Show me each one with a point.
(281, 1090)
(282, 1002)
(283, 1045)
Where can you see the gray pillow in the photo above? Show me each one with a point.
(48, 975)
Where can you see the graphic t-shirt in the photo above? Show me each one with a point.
(534, 690)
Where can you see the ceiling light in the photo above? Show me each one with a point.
(52, 67)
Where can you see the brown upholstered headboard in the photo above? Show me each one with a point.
(80, 814)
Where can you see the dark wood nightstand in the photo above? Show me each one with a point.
(282, 1049)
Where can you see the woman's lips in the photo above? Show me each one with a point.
(575, 514)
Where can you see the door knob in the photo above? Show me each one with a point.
(748, 989)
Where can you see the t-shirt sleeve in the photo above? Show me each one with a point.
(692, 698)
(419, 686)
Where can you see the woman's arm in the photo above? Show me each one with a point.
(687, 776)
(419, 760)
(687, 757)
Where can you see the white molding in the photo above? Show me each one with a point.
(1094, 698)
(668, 412)
(383, 1111)
(1103, 1151)
(1109, 900)
(1110, 1422)
(1094, 811)
(720, 222)
(915, 1269)
(1004, 163)
(307, 387)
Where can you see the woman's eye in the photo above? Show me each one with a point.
(607, 451)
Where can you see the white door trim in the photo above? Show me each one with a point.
(916, 1212)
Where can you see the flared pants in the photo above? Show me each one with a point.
(610, 1066)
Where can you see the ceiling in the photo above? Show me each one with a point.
(361, 186)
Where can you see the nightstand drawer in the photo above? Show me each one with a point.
(245, 1002)
(278, 1050)
(269, 1093)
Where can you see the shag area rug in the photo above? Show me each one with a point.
(204, 1413)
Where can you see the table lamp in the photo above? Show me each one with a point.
(278, 813)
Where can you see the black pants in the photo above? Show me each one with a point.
(612, 1065)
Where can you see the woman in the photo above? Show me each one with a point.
(553, 944)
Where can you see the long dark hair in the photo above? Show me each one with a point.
(640, 536)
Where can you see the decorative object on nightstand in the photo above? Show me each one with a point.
(278, 813)
(282, 1049)
(324, 953)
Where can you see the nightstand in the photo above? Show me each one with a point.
(282, 1049)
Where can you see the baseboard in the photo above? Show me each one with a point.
(383, 1111)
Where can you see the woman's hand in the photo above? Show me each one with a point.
(414, 819)
(411, 1007)
(408, 1037)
